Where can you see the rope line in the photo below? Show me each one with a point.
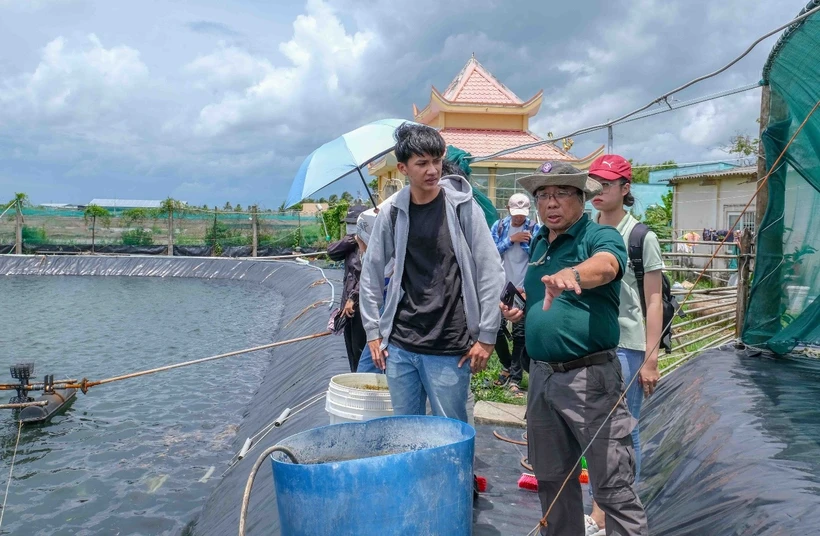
(85, 384)
(11, 470)
(763, 182)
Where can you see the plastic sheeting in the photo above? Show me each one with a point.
(731, 441)
(179, 251)
(296, 373)
(732, 446)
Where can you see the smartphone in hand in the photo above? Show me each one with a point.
(512, 298)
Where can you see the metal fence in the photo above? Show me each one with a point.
(711, 311)
(46, 229)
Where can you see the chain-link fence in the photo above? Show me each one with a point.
(190, 231)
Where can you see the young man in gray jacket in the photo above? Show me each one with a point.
(441, 314)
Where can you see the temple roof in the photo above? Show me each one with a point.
(487, 142)
(476, 85)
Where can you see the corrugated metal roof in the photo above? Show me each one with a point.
(126, 203)
(744, 171)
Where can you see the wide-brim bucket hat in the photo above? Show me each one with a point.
(560, 174)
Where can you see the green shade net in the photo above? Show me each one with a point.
(462, 160)
(784, 312)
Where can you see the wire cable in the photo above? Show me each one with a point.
(763, 182)
(662, 98)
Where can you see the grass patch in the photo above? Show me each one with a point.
(483, 388)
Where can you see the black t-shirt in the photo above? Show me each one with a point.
(430, 318)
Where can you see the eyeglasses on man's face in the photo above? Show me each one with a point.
(560, 195)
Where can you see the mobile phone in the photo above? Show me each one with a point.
(512, 298)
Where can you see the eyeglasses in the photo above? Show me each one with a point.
(558, 196)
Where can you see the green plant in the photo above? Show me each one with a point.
(333, 220)
(659, 217)
(483, 388)
(94, 212)
(137, 216)
(34, 235)
(137, 237)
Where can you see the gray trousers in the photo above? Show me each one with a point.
(564, 410)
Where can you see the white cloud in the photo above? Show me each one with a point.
(74, 84)
(712, 123)
(229, 68)
(320, 86)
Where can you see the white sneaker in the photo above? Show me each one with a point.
(591, 527)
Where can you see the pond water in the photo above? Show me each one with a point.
(130, 457)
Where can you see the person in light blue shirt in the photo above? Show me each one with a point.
(512, 236)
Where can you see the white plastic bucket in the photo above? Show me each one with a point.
(353, 398)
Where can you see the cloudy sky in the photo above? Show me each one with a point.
(213, 101)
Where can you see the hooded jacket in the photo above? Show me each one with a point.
(482, 275)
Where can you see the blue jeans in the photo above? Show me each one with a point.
(413, 378)
(366, 363)
(631, 361)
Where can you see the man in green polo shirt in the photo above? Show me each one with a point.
(571, 289)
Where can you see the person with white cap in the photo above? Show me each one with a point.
(512, 237)
(575, 405)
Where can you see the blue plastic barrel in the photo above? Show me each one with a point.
(408, 475)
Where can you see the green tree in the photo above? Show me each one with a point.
(168, 208)
(322, 200)
(94, 213)
(227, 206)
(282, 208)
(659, 217)
(347, 197)
(640, 172)
(333, 199)
(374, 184)
(137, 216)
(237, 207)
(19, 201)
(744, 146)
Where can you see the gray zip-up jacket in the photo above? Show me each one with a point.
(482, 276)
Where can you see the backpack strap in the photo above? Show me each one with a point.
(635, 251)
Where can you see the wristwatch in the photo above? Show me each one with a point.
(577, 275)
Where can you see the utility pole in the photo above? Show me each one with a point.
(18, 242)
(762, 200)
(254, 225)
(743, 262)
(171, 230)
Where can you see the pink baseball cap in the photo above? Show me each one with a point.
(519, 205)
(611, 167)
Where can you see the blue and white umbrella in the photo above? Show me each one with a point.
(345, 155)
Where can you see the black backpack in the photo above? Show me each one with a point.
(670, 304)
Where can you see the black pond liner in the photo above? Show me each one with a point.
(731, 441)
(732, 446)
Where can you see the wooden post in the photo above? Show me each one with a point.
(18, 241)
(171, 231)
(743, 262)
(254, 225)
(762, 200)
